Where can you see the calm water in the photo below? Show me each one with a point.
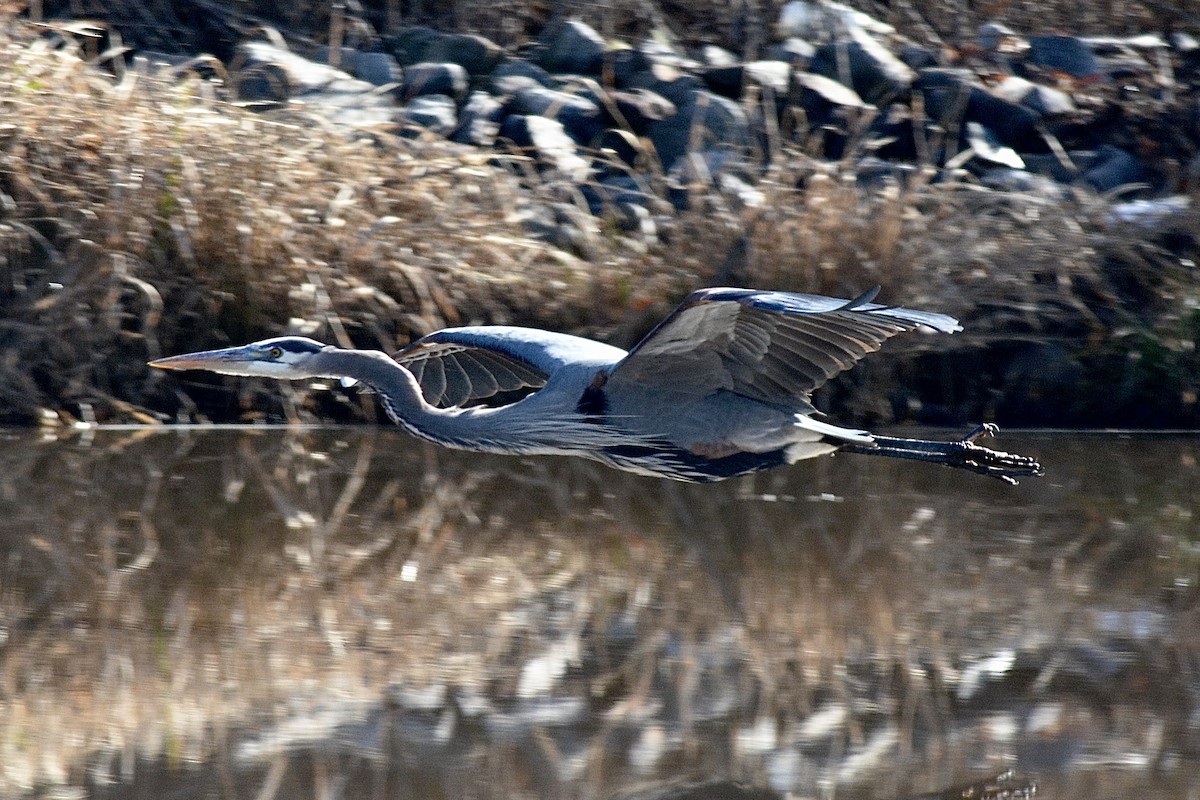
(350, 613)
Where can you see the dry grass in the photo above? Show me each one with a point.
(176, 220)
(146, 215)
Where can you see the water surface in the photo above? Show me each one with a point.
(348, 612)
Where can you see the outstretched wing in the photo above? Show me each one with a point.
(458, 374)
(771, 346)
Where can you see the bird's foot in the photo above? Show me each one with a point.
(965, 454)
(962, 454)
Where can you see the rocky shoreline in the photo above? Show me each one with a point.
(1037, 186)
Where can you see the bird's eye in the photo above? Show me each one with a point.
(275, 352)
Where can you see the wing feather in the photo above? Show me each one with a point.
(456, 374)
(837, 343)
(458, 383)
(795, 340)
(773, 346)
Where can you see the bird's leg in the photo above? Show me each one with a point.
(963, 454)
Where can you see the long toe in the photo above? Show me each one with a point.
(996, 463)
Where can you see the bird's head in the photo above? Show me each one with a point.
(286, 357)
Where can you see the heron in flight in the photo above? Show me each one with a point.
(719, 388)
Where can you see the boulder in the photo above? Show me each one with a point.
(433, 112)
(428, 78)
(547, 141)
(705, 121)
(580, 116)
(573, 47)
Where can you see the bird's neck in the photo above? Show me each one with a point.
(475, 429)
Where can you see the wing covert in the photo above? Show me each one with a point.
(455, 374)
(772, 346)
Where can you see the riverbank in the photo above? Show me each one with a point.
(158, 203)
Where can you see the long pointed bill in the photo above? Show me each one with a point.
(228, 360)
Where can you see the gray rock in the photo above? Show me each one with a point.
(378, 69)
(795, 51)
(770, 74)
(261, 84)
(725, 80)
(568, 228)
(433, 112)
(1067, 54)
(714, 56)
(479, 120)
(817, 95)
(580, 116)
(658, 52)
(270, 74)
(820, 20)
(673, 84)
(410, 44)
(574, 47)
(294, 73)
(639, 108)
(548, 142)
(1042, 99)
(713, 167)
(1106, 168)
(626, 63)
(988, 147)
(1113, 169)
(866, 66)
(706, 121)
(512, 76)
(876, 172)
(729, 81)
(1022, 182)
(917, 57)
(625, 147)
(416, 45)
(994, 35)
(1122, 58)
(953, 98)
(426, 78)
(1151, 213)
(347, 58)
(1184, 42)
(476, 54)
(1049, 165)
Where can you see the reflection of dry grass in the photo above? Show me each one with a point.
(298, 577)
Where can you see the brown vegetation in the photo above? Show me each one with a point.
(146, 214)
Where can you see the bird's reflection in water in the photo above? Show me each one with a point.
(310, 611)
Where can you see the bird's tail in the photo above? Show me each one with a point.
(836, 432)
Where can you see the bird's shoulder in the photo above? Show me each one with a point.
(546, 351)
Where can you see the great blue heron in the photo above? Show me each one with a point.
(719, 388)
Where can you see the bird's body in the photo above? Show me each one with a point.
(720, 388)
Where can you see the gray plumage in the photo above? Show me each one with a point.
(719, 388)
